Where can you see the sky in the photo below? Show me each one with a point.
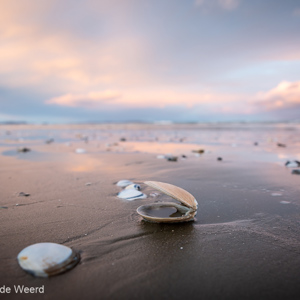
(65, 61)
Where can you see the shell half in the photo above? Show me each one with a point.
(47, 259)
(175, 192)
(166, 212)
(169, 212)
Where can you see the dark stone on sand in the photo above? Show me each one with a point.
(281, 145)
(256, 144)
(122, 139)
(22, 194)
(219, 158)
(297, 172)
(183, 156)
(24, 149)
(200, 151)
(49, 141)
(171, 158)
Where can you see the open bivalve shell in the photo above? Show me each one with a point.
(47, 259)
(169, 212)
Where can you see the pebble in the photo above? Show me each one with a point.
(281, 145)
(24, 149)
(22, 194)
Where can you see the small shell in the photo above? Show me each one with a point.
(47, 259)
(80, 151)
(124, 183)
(292, 164)
(134, 186)
(131, 194)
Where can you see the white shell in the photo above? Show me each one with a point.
(134, 186)
(80, 151)
(123, 183)
(292, 164)
(47, 259)
(131, 194)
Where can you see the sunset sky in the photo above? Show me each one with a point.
(149, 60)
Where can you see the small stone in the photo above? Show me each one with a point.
(24, 149)
(171, 158)
(22, 194)
(200, 151)
(281, 145)
(49, 141)
(219, 158)
(297, 172)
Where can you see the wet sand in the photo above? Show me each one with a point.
(244, 243)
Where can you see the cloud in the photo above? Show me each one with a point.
(285, 95)
(224, 4)
(89, 100)
(296, 12)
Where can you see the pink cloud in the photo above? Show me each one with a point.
(285, 95)
(89, 100)
(224, 4)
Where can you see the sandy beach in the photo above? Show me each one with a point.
(243, 244)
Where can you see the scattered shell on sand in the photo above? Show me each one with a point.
(134, 186)
(47, 259)
(80, 151)
(131, 194)
(124, 183)
(292, 164)
(169, 212)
